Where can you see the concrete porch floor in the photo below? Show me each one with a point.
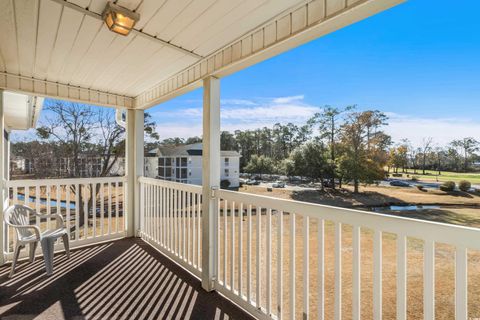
(124, 279)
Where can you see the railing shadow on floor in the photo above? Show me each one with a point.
(125, 279)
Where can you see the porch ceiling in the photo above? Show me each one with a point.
(62, 48)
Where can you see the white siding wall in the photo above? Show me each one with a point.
(151, 167)
(233, 167)
(194, 168)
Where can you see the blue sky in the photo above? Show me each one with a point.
(419, 62)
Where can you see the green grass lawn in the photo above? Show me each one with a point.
(474, 178)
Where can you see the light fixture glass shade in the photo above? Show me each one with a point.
(118, 19)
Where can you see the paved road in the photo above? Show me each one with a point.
(287, 187)
(383, 183)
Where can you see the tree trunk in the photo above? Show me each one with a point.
(355, 185)
(332, 142)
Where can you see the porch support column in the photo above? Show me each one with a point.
(134, 168)
(210, 179)
(3, 159)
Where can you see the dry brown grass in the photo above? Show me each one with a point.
(371, 196)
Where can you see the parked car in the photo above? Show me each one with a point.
(399, 183)
(278, 184)
(327, 183)
(252, 182)
(242, 181)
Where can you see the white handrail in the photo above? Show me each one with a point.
(313, 217)
(260, 225)
(64, 181)
(426, 230)
(170, 220)
(170, 184)
(93, 208)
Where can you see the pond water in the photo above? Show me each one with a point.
(53, 203)
(405, 208)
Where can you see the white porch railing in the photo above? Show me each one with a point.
(170, 220)
(284, 259)
(94, 209)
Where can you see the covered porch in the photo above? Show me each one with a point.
(125, 279)
(222, 253)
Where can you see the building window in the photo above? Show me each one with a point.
(183, 162)
(184, 173)
(227, 161)
(227, 172)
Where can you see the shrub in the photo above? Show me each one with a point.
(447, 186)
(397, 175)
(224, 184)
(414, 178)
(464, 185)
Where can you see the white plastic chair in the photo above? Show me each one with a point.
(17, 217)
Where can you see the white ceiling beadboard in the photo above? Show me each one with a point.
(62, 48)
(48, 41)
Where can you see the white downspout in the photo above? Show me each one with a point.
(210, 180)
(120, 117)
(3, 159)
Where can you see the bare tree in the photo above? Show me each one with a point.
(425, 149)
(70, 125)
(82, 131)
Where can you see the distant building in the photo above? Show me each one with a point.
(89, 166)
(184, 164)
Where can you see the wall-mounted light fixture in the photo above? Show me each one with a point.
(119, 19)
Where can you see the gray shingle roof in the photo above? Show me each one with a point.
(187, 150)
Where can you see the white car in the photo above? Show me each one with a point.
(278, 184)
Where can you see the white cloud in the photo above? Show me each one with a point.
(289, 99)
(237, 114)
(182, 130)
(23, 135)
(273, 112)
(442, 130)
(236, 102)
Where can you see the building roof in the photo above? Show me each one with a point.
(187, 150)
